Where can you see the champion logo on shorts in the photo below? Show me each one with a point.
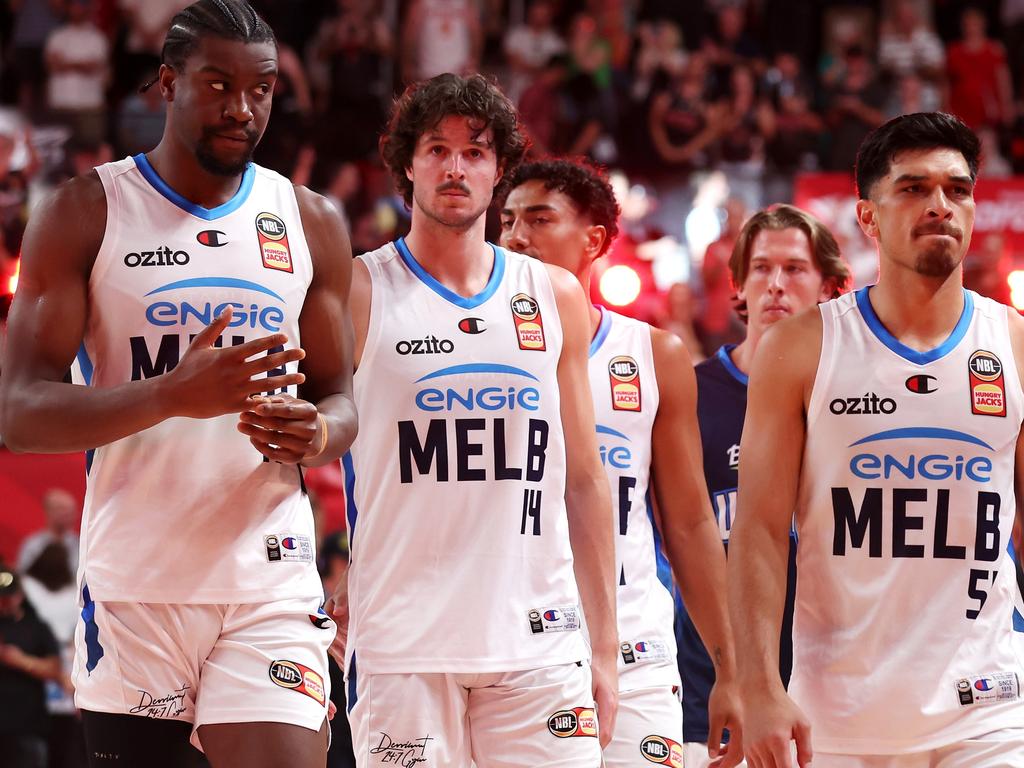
(578, 721)
(563, 618)
(662, 751)
(288, 547)
(993, 688)
(298, 677)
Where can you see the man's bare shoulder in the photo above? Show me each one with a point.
(69, 223)
(790, 349)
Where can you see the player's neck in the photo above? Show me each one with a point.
(583, 276)
(459, 259)
(920, 312)
(181, 170)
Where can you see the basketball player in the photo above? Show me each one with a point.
(182, 280)
(641, 380)
(465, 642)
(783, 262)
(890, 420)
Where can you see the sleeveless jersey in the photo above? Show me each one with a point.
(188, 511)
(459, 539)
(721, 410)
(903, 634)
(625, 391)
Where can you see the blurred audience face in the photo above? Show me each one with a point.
(61, 510)
(6, 153)
(782, 279)
(539, 16)
(905, 16)
(454, 171)
(545, 224)
(973, 24)
(730, 23)
(79, 11)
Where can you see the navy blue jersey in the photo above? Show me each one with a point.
(721, 408)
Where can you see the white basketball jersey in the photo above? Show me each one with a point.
(625, 391)
(458, 532)
(903, 631)
(188, 511)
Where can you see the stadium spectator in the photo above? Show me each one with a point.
(139, 122)
(78, 61)
(13, 198)
(660, 58)
(34, 20)
(741, 146)
(29, 656)
(980, 88)
(441, 36)
(682, 124)
(907, 46)
(62, 519)
(540, 105)
(792, 133)
(529, 47)
(854, 108)
(718, 324)
(731, 44)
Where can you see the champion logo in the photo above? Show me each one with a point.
(472, 325)
(213, 238)
(921, 384)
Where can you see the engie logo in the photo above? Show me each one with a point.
(249, 314)
(624, 376)
(615, 456)
(500, 397)
(930, 466)
(161, 257)
(529, 324)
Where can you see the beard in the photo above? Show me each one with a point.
(211, 163)
(938, 260)
(458, 220)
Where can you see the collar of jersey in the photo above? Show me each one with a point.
(724, 355)
(602, 330)
(470, 302)
(901, 349)
(209, 214)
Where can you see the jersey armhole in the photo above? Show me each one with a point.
(1012, 372)
(111, 228)
(373, 322)
(826, 361)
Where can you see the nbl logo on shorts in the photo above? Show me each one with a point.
(624, 377)
(662, 751)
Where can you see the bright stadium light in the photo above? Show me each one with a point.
(12, 283)
(620, 285)
(1016, 282)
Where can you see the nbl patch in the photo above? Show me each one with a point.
(578, 721)
(529, 324)
(988, 391)
(624, 376)
(564, 618)
(298, 677)
(288, 547)
(988, 689)
(662, 751)
(273, 237)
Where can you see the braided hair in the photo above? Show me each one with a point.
(227, 19)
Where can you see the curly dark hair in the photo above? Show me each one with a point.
(427, 103)
(581, 181)
(921, 130)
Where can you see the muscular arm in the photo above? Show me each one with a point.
(688, 527)
(587, 497)
(1016, 323)
(324, 325)
(771, 452)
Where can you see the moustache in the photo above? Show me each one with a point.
(938, 228)
(450, 185)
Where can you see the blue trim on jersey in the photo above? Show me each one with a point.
(93, 649)
(930, 433)
(603, 328)
(351, 698)
(724, 357)
(912, 355)
(603, 430)
(209, 214)
(471, 302)
(215, 282)
(663, 567)
(85, 364)
(1018, 618)
(478, 368)
(89, 454)
(351, 512)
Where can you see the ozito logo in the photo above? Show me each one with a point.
(921, 384)
(212, 238)
(286, 674)
(430, 345)
(161, 257)
(869, 404)
(985, 365)
(472, 325)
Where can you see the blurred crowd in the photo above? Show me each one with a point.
(667, 91)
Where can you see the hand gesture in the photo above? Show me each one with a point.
(724, 712)
(605, 677)
(771, 721)
(282, 428)
(337, 608)
(212, 381)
